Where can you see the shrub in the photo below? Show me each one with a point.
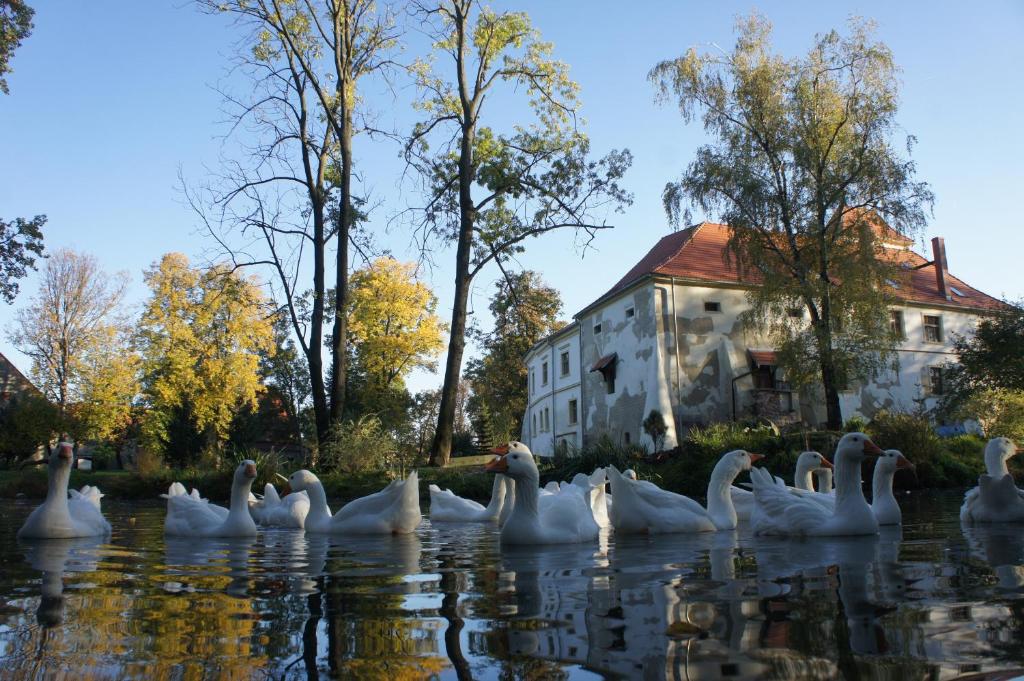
(149, 463)
(911, 434)
(104, 457)
(656, 429)
(358, 446)
(26, 423)
(855, 424)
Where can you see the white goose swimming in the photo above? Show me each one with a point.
(59, 517)
(564, 519)
(448, 507)
(807, 464)
(780, 512)
(274, 510)
(642, 507)
(189, 515)
(883, 503)
(393, 510)
(823, 476)
(996, 499)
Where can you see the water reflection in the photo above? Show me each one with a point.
(931, 601)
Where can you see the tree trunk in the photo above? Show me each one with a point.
(828, 380)
(314, 354)
(339, 339)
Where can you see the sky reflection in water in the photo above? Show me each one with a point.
(930, 600)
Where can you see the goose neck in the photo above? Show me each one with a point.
(847, 479)
(497, 494)
(240, 496)
(317, 499)
(719, 496)
(804, 477)
(527, 496)
(995, 463)
(57, 485)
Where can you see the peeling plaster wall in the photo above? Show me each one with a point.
(642, 370)
(905, 389)
(555, 395)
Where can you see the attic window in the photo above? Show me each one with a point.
(957, 292)
(712, 306)
(629, 312)
(597, 329)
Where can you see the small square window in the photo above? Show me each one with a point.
(629, 313)
(597, 329)
(712, 306)
(933, 328)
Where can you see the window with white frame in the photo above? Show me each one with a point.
(932, 328)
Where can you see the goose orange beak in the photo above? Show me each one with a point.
(250, 470)
(499, 465)
(825, 463)
(903, 462)
(66, 452)
(286, 490)
(754, 457)
(871, 448)
(500, 450)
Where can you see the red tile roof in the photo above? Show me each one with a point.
(698, 253)
(763, 357)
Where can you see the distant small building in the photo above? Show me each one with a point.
(14, 383)
(667, 337)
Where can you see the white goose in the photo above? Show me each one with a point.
(779, 512)
(447, 507)
(824, 479)
(642, 507)
(630, 474)
(593, 488)
(807, 464)
(393, 510)
(189, 515)
(59, 517)
(564, 519)
(276, 511)
(996, 499)
(883, 503)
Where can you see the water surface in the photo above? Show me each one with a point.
(931, 601)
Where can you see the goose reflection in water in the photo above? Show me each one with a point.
(53, 558)
(1002, 547)
(202, 562)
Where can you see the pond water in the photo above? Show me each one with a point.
(931, 601)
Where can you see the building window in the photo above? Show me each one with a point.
(533, 382)
(795, 312)
(896, 323)
(629, 313)
(935, 386)
(544, 373)
(547, 419)
(565, 363)
(574, 414)
(533, 428)
(597, 329)
(712, 306)
(625, 436)
(933, 328)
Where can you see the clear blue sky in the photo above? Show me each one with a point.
(109, 100)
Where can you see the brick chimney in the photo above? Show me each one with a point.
(941, 267)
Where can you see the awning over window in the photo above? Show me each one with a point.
(762, 358)
(605, 363)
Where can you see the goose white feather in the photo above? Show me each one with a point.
(393, 510)
(807, 464)
(273, 510)
(189, 515)
(883, 503)
(643, 507)
(448, 507)
(563, 519)
(780, 512)
(59, 517)
(996, 499)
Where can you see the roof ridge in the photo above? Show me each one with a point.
(692, 229)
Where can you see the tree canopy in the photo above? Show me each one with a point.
(804, 168)
(15, 26)
(21, 241)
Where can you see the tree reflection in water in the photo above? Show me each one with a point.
(933, 600)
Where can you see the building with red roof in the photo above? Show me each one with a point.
(667, 337)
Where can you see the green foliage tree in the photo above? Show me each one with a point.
(656, 429)
(15, 26)
(72, 331)
(201, 334)
(804, 169)
(288, 371)
(987, 381)
(21, 241)
(525, 310)
(488, 190)
(27, 422)
(295, 192)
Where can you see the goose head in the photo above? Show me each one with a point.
(245, 473)
(737, 461)
(298, 481)
(62, 457)
(856, 446)
(891, 459)
(998, 451)
(812, 461)
(514, 460)
(629, 473)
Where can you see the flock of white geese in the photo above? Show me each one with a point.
(570, 512)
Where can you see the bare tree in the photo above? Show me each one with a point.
(294, 193)
(73, 312)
